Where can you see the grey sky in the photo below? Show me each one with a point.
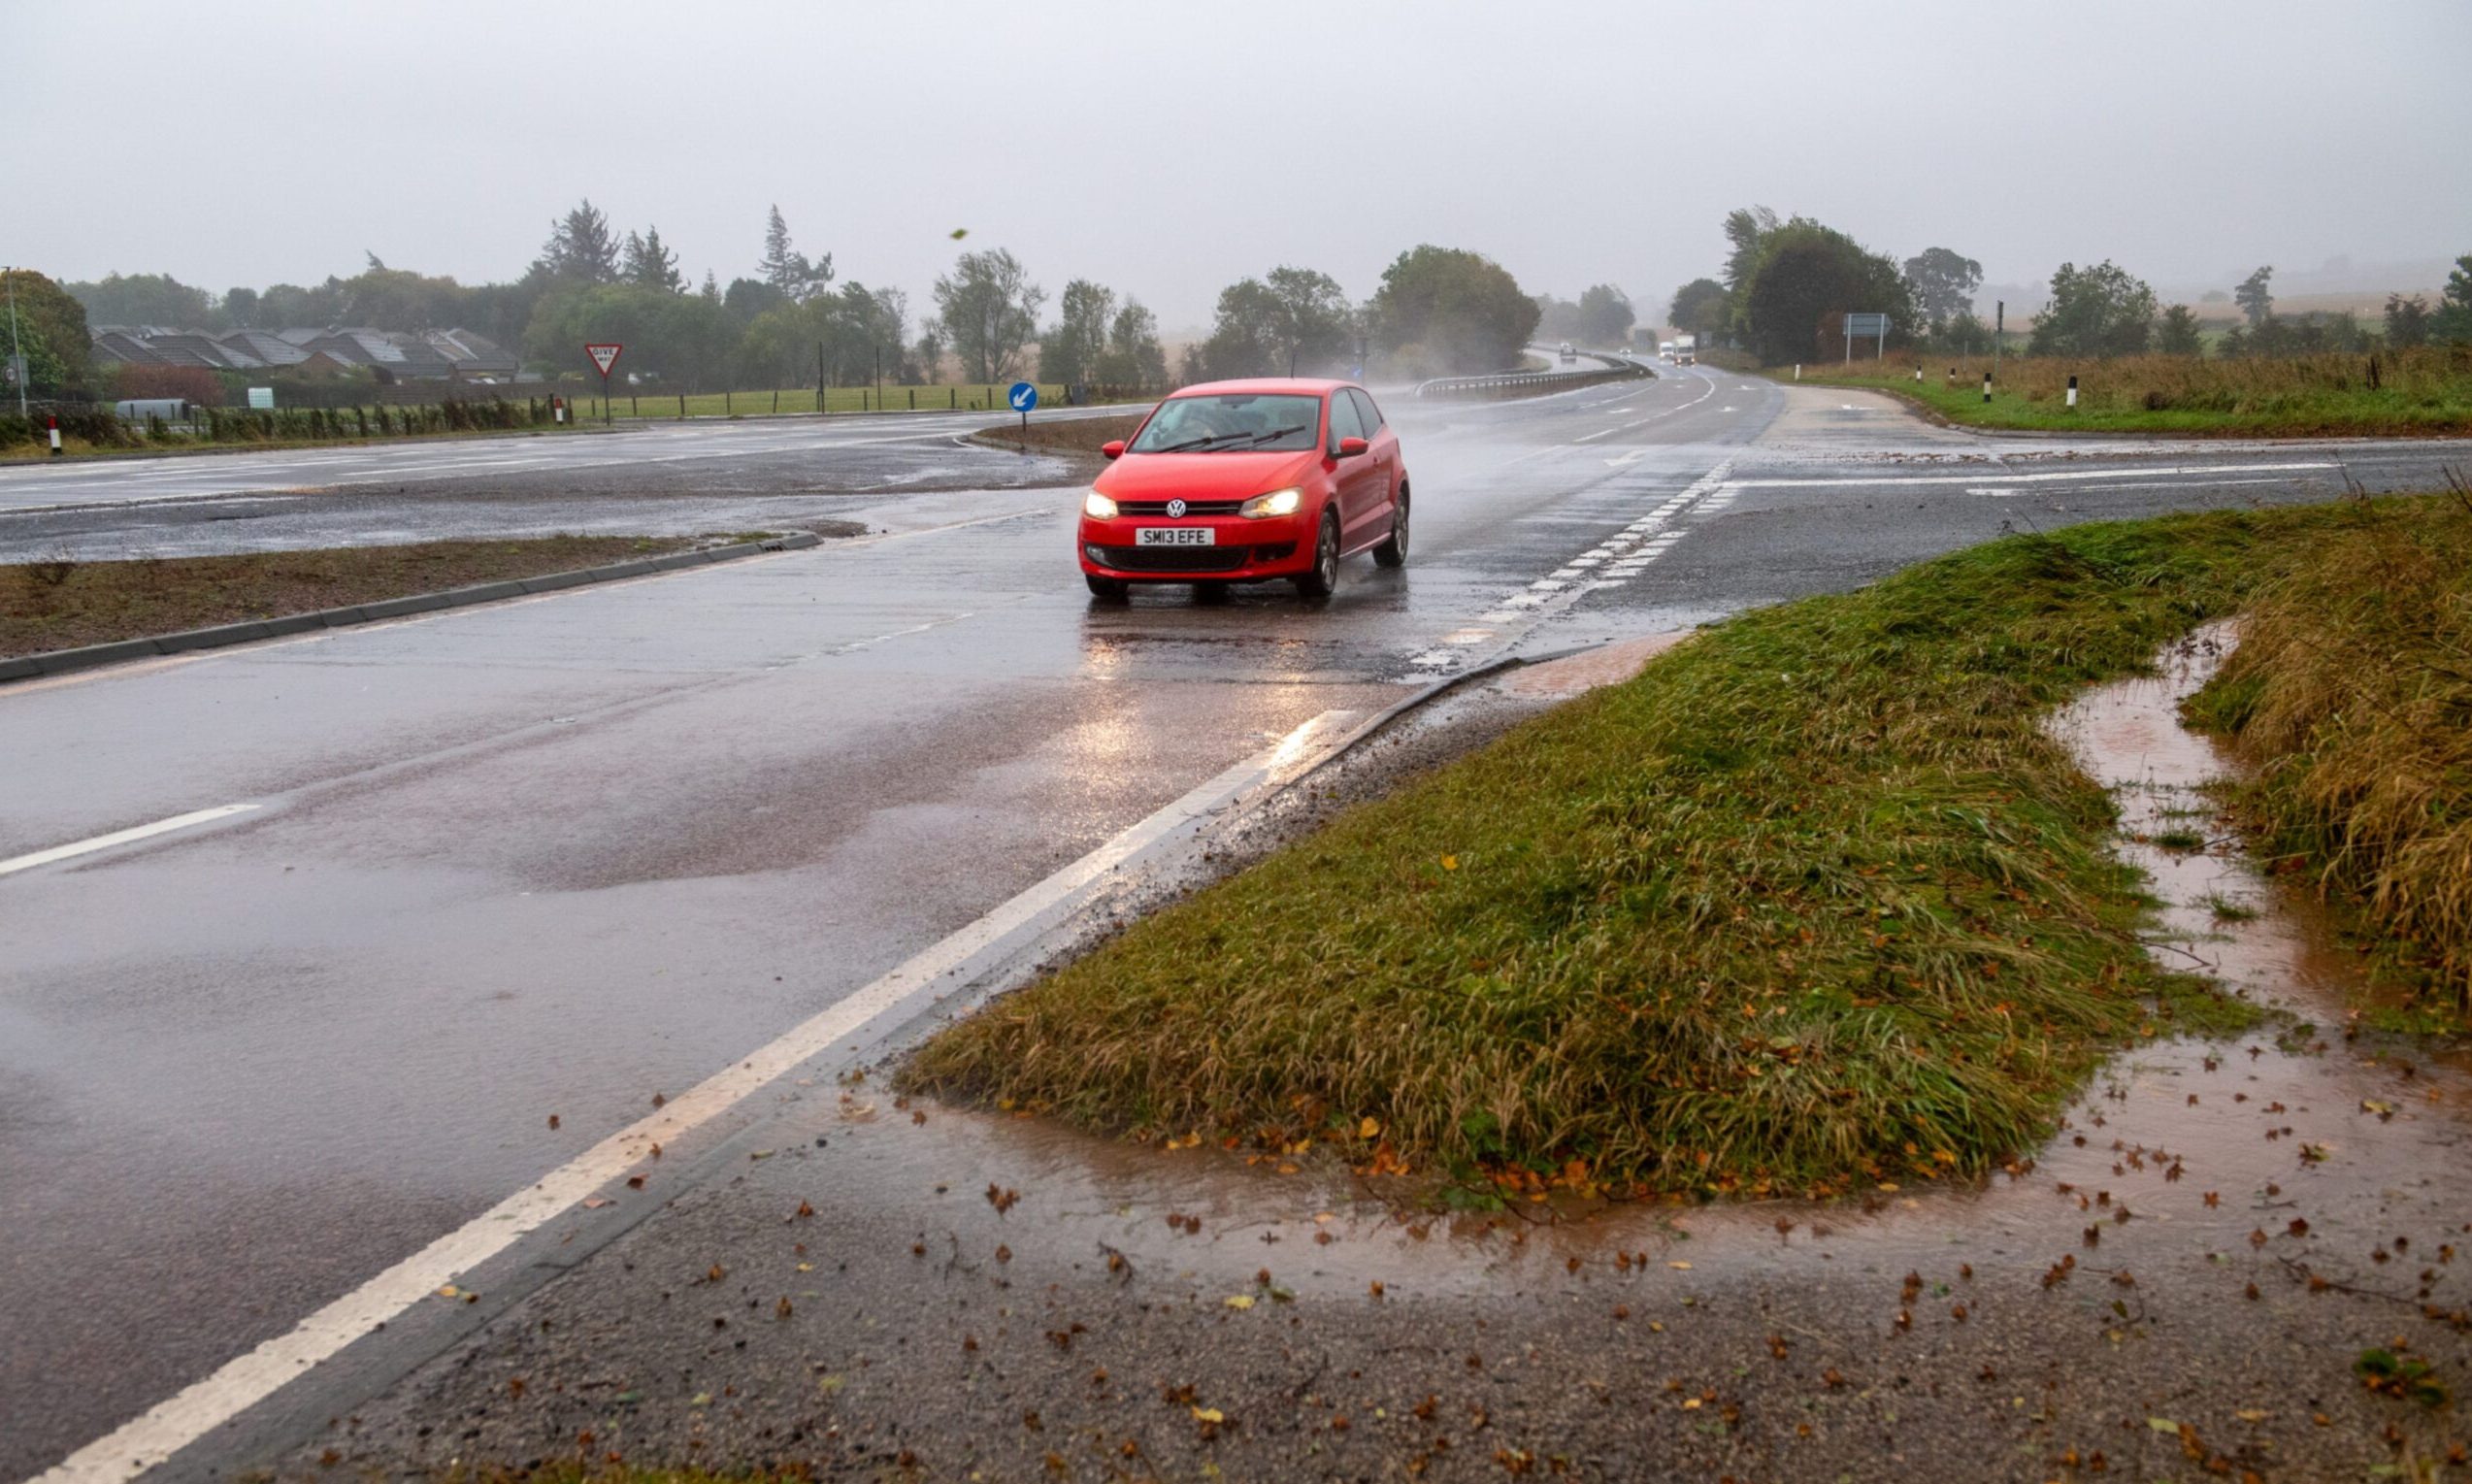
(1167, 148)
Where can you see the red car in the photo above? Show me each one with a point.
(1247, 482)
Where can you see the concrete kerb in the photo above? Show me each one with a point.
(63, 661)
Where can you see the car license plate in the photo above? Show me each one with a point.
(1174, 535)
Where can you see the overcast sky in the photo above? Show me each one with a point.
(1167, 148)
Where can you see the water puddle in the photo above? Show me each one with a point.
(2292, 1152)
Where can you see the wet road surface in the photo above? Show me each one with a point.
(555, 857)
(2175, 1287)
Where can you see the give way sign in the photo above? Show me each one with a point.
(604, 356)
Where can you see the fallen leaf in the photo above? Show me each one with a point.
(1685, 1267)
(595, 1203)
(1239, 1301)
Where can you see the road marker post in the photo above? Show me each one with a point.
(605, 356)
(53, 418)
(1797, 370)
(2072, 392)
(1986, 386)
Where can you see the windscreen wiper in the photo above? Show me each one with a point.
(1268, 433)
(1196, 442)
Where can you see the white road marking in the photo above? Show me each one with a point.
(20, 863)
(2060, 477)
(1590, 437)
(1996, 494)
(1632, 457)
(249, 1379)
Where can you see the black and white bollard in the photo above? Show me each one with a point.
(560, 404)
(54, 420)
(2072, 392)
(1797, 370)
(1986, 386)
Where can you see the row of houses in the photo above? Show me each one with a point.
(396, 356)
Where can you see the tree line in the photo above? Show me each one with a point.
(794, 320)
(1787, 282)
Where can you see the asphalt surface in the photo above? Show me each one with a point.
(560, 856)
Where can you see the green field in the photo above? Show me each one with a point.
(2424, 391)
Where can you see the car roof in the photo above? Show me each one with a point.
(1308, 386)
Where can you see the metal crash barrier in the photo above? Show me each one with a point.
(1531, 383)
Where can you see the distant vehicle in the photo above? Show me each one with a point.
(1664, 349)
(1686, 349)
(1568, 354)
(1247, 482)
(140, 409)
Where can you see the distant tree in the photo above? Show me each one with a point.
(2453, 319)
(581, 249)
(143, 299)
(2099, 311)
(929, 350)
(747, 298)
(241, 308)
(790, 273)
(2233, 344)
(681, 340)
(990, 310)
(1943, 283)
(47, 313)
(2255, 299)
(399, 299)
(1746, 228)
(2407, 321)
(1071, 349)
(1702, 308)
(1606, 316)
(1446, 310)
(650, 263)
(2178, 333)
(1312, 322)
(286, 306)
(1244, 333)
(1808, 272)
(1966, 334)
(1134, 356)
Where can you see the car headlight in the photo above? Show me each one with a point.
(1098, 506)
(1278, 502)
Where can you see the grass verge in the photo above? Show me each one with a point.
(1813, 903)
(2351, 690)
(1075, 436)
(2416, 392)
(62, 604)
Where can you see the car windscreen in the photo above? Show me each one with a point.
(1232, 422)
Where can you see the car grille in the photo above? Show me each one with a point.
(1173, 558)
(1191, 506)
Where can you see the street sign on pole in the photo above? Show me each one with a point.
(605, 356)
(1023, 396)
(1859, 325)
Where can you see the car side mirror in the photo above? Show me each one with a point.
(1350, 448)
(1113, 449)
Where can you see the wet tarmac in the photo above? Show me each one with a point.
(2179, 1282)
(555, 856)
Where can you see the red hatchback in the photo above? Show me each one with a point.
(1247, 482)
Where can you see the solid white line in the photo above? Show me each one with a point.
(120, 838)
(249, 1379)
(2068, 476)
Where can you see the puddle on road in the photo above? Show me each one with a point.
(2279, 1153)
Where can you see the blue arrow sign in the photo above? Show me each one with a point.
(1023, 396)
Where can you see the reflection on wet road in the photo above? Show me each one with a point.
(557, 856)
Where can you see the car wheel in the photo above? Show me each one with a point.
(1113, 589)
(1394, 552)
(1324, 576)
